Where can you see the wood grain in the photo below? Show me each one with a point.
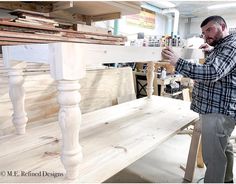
(99, 89)
(134, 129)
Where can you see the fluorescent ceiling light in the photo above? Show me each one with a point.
(221, 6)
(162, 4)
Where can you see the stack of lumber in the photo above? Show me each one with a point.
(34, 18)
(29, 28)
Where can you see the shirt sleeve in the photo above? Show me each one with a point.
(217, 65)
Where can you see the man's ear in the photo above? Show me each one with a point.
(223, 26)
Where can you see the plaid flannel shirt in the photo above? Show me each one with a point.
(215, 80)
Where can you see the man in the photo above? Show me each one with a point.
(214, 96)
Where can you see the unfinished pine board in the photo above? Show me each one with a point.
(70, 10)
(97, 8)
(192, 156)
(111, 139)
(90, 29)
(32, 26)
(11, 5)
(99, 89)
(50, 38)
(86, 8)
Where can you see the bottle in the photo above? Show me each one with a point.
(145, 43)
(178, 43)
(174, 41)
(157, 44)
(163, 41)
(154, 41)
(159, 72)
(150, 44)
(163, 73)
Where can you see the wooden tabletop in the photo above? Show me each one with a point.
(111, 139)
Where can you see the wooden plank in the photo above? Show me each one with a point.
(90, 29)
(5, 43)
(47, 32)
(85, 8)
(192, 155)
(99, 89)
(127, 7)
(13, 5)
(19, 12)
(54, 38)
(186, 95)
(31, 36)
(62, 5)
(104, 17)
(45, 26)
(90, 8)
(96, 37)
(134, 129)
(22, 25)
(92, 33)
(36, 22)
(42, 19)
(23, 40)
(200, 162)
(126, 98)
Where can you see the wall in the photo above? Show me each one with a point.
(188, 27)
(183, 27)
(196, 22)
(131, 31)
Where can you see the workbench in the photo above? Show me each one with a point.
(109, 139)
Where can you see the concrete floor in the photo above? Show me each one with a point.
(161, 165)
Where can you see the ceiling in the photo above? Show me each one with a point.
(196, 9)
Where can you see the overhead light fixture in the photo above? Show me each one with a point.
(162, 4)
(221, 6)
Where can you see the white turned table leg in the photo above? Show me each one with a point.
(69, 120)
(17, 96)
(150, 78)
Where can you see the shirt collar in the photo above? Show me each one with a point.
(225, 39)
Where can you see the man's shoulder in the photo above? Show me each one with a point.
(232, 36)
(230, 41)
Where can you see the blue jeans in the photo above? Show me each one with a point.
(217, 150)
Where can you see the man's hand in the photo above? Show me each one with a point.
(206, 48)
(169, 55)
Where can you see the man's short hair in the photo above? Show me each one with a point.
(214, 18)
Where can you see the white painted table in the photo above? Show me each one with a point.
(67, 64)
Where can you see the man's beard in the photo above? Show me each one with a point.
(216, 39)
